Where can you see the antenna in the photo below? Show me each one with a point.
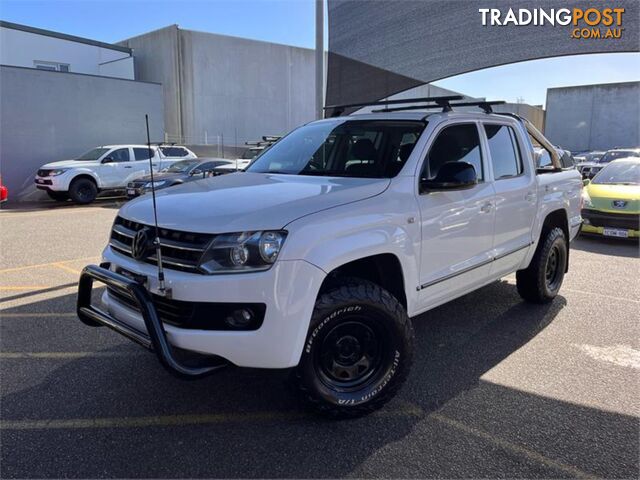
(163, 291)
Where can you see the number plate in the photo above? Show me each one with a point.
(39, 181)
(131, 191)
(615, 232)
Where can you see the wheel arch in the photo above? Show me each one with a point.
(556, 218)
(87, 176)
(384, 269)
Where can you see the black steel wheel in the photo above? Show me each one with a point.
(540, 282)
(83, 190)
(358, 351)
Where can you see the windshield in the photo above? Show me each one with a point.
(621, 173)
(180, 167)
(250, 153)
(354, 148)
(615, 154)
(94, 154)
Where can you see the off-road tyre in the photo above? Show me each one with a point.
(83, 191)
(540, 282)
(357, 330)
(58, 196)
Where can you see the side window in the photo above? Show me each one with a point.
(120, 155)
(458, 143)
(505, 154)
(142, 153)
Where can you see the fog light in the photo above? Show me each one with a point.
(241, 318)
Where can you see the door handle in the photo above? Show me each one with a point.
(530, 196)
(486, 208)
(128, 166)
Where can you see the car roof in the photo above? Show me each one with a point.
(626, 160)
(133, 145)
(637, 149)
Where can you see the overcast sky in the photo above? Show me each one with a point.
(292, 22)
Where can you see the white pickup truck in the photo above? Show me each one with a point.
(317, 257)
(110, 167)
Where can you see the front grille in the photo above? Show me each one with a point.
(195, 315)
(43, 172)
(180, 250)
(624, 221)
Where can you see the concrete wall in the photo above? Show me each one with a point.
(20, 49)
(594, 117)
(49, 116)
(219, 86)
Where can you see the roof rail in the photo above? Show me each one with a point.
(440, 101)
(483, 104)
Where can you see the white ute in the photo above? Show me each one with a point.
(317, 257)
(109, 167)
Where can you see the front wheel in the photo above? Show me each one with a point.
(540, 282)
(358, 351)
(83, 191)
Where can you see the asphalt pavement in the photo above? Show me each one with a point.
(499, 388)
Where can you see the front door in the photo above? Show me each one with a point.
(456, 225)
(116, 169)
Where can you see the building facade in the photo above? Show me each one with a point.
(594, 117)
(222, 89)
(29, 47)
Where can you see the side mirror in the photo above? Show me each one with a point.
(107, 160)
(451, 176)
(586, 182)
(195, 172)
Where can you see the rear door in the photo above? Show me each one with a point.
(456, 225)
(516, 194)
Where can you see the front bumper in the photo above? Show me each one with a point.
(596, 221)
(288, 290)
(56, 183)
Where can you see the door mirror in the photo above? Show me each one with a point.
(451, 176)
(196, 171)
(107, 160)
(586, 182)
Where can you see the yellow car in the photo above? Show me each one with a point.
(611, 201)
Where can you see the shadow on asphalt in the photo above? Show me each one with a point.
(455, 345)
(607, 246)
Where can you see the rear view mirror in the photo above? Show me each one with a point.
(451, 176)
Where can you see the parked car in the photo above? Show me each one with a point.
(106, 168)
(588, 157)
(590, 169)
(321, 252)
(178, 173)
(4, 192)
(612, 200)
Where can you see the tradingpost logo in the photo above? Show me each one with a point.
(587, 23)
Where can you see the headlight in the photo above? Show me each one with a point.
(242, 252)
(157, 184)
(57, 171)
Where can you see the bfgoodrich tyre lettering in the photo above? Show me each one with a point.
(358, 351)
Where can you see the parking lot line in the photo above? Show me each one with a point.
(224, 418)
(604, 295)
(26, 287)
(49, 264)
(36, 315)
(512, 447)
(68, 269)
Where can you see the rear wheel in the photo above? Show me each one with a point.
(83, 190)
(358, 351)
(540, 282)
(58, 196)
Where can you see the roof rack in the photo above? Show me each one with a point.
(483, 104)
(439, 101)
